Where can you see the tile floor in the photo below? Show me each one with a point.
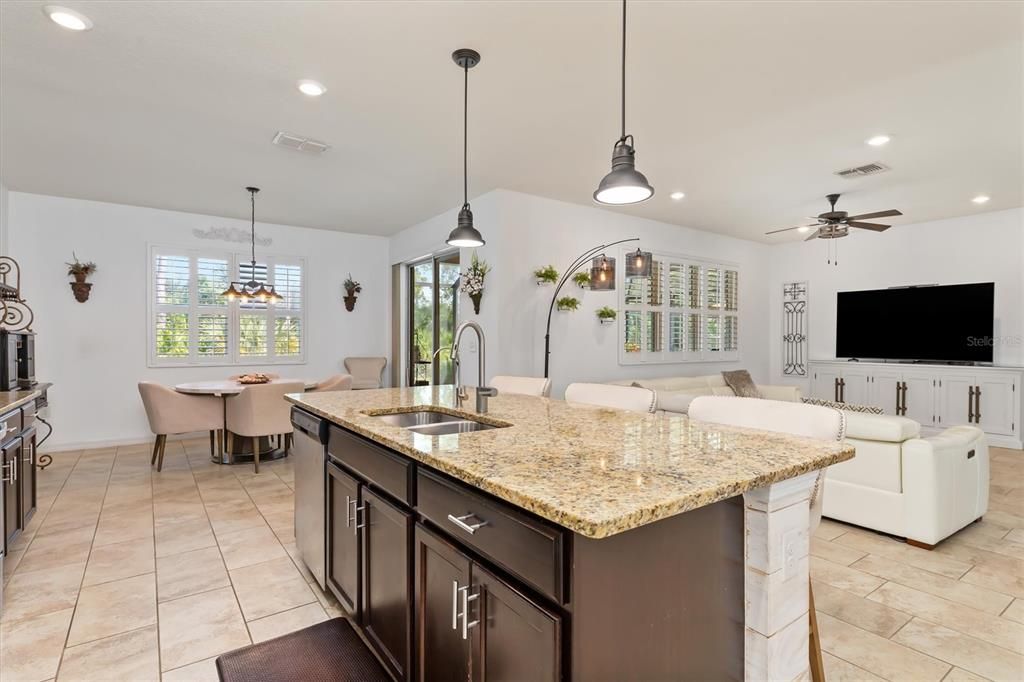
(126, 574)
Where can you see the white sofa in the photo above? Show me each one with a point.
(675, 393)
(923, 489)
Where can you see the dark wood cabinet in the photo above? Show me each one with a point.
(386, 581)
(442, 577)
(27, 475)
(10, 456)
(343, 551)
(517, 639)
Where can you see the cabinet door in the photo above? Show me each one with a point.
(9, 457)
(957, 402)
(854, 386)
(343, 537)
(387, 581)
(919, 398)
(441, 572)
(515, 638)
(27, 475)
(825, 384)
(995, 406)
(885, 387)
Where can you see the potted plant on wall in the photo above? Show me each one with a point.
(80, 271)
(352, 288)
(472, 281)
(567, 303)
(582, 279)
(606, 315)
(546, 275)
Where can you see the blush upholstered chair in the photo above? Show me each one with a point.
(261, 410)
(170, 412)
(606, 395)
(810, 421)
(366, 372)
(536, 386)
(338, 382)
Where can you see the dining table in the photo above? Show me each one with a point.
(237, 449)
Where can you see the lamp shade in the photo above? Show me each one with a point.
(602, 274)
(625, 184)
(464, 234)
(638, 264)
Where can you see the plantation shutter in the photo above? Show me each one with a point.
(212, 278)
(172, 276)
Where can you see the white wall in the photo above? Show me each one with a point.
(988, 247)
(95, 352)
(4, 195)
(524, 232)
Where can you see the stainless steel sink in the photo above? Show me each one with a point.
(419, 418)
(445, 428)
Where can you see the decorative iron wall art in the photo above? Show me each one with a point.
(794, 329)
(15, 313)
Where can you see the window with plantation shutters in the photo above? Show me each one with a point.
(193, 324)
(687, 311)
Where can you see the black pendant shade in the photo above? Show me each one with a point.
(602, 274)
(252, 290)
(464, 234)
(638, 264)
(624, 184)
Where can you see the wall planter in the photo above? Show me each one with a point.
(546, 275)
(567, 303)
(472, 281)
(606, 315)
(582, 280)
(352, 288)
(80, 271)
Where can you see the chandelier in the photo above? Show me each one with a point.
(252, 290)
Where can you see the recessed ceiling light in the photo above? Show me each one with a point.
(68, 18)
(980, 199)
(803, 230)
(878, 140)
(311, 88)
(677, 195)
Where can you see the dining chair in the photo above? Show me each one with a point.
(338, 382)
(261, 410)
(607, 395)
(170, 413)
(798, 419)
(535, 386)
(366, 372)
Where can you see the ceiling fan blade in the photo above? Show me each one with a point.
(869, 226)
(813, 236)
(877, 214)
(787, 229)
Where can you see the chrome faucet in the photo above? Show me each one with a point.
(482, 392)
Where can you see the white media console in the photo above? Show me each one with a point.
(936, 396)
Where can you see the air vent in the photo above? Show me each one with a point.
(302, 144)
(866, 169)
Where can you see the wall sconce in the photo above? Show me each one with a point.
(638, 264)
(602, 274)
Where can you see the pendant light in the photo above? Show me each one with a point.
(464, 234)
(252, 290)
(638, 264)
(625, 184)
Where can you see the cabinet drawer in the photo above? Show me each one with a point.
(527, 547)
(10, 424)
(388, 472)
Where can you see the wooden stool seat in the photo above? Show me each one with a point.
(325, 652)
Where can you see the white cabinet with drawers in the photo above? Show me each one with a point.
(936, 396)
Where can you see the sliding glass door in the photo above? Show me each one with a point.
(433, 316)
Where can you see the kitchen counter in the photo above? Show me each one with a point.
(595, 471)
(10, 400)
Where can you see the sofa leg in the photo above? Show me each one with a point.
(978, 519)
(921, 545)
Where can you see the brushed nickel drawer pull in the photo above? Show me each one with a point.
(13, 475)
(466, 598)
(455, 605)
(460, 521)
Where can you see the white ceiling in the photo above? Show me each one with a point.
(748, 107)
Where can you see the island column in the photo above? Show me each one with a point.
(777, 531)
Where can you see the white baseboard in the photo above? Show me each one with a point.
(97, 444)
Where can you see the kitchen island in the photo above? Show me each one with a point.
(566, 541)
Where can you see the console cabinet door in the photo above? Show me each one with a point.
(854, 386)
(9, 457)
(995, 404)
(957, 400)
(886, 391)
(387, 581)
(515, 638)
(825, 384)
(441, 572)
(27, 475)
(919, 398)
(343, 537)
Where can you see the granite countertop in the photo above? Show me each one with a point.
(10, 400)
(595, 471)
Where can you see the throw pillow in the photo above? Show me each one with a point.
(741, 383)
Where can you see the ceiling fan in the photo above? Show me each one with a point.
(834, 224)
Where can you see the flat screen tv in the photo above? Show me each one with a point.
(952, 323)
